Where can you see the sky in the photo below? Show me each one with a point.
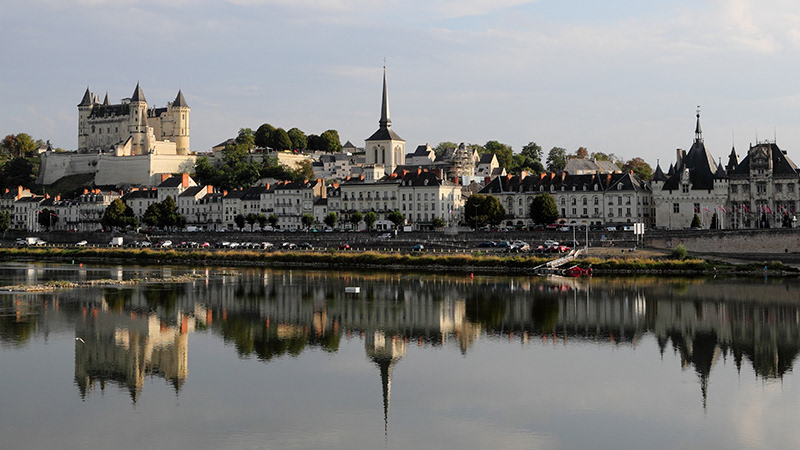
(618, 76)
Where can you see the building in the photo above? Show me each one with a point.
(131, 127)
(385, 147)
(695, 186)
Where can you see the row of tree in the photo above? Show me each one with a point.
(482, 210)
(267, 136)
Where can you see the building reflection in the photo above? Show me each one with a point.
(132, 332)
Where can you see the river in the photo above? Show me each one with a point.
(261, 358)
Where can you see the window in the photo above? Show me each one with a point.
(761, 188)
(628, 212)
(584, 201)
(574, 201)
(596, 201)
(573, 211)
(790, 187)
(619, 200)
(697, 208)
(685, 188)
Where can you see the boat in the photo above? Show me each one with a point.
(352, 289)
(576, 271)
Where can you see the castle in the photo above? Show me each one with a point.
(131, 127)
(129, 143)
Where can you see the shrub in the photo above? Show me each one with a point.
(679, 252)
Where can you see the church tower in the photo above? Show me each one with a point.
(385, 147)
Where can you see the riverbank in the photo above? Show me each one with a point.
(640, 261)
(54, 285)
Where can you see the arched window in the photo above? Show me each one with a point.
(574, 201)
(584, 201)
(563, 201)
(596, 201)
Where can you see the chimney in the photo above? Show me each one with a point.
(523, 174)
(210, 189)
(85, 191)
(541, 176)
(58, 197)
(486, 180)
(19, 192)
(185, 180)
(164, 177)
(608, 180)
(46, 195)
(563, 176)
(552, 176)
(6, 191)
(336, 185)
(224, 193)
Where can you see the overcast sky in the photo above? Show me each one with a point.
(617, 76)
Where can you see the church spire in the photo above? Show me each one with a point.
(698, 132)
(385, 121)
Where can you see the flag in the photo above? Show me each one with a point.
(769, 209)
(745, 208)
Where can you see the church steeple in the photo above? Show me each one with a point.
(385, 121)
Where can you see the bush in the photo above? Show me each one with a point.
(679, 252)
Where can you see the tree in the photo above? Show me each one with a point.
(370, 219)
(273, 220)
(314, 142)
(263, 135)
(204, 172)
(239, 220)
(272, 169)
(262, 221)
(298, 138)
(118, 215)
(556, 159)
(639, 167)
(331, 219)
(246, 139)
(279, 140)
(251, 219)
(438, 223)
(480, 210)
(356, 219)
(581, 152)
(307, 220)
(5, 221)
(47, 218)
(532, 151)
(20, 171)
(503, 152)
(543, 209)
(695, 221)
(442, 146)
(396, 217)
(304, 171)
(331, 141)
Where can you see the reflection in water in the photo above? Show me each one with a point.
(129, 333)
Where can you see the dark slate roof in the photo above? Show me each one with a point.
(254, 193)
(348, 144)
(487, 158)
(105, 100)
(173, 181)
(701, 165)
(659, 175)
(422, 150)
(720, 174)
(87, 98)
(423, 178)
(235, 193)
(141, 193)
(180, 101)
(192, 191)
(733, 159)
(542, 183)
(109, 111)
(671, 171)
(385, 134)
(321, 202)
(138, 95)
(781, 164)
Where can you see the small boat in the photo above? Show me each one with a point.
(576, 271)
(352, 289)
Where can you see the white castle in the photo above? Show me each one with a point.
(131, 127)
(129, 143)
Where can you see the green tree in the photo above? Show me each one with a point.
(480, 210)
(20, 171)
(5, 221)
(273, 220)
(246, 139)
(442, 146)
(331, 219)
(503, 152)
(396, 217)
(304, 171)
(532, 151)
(204, 172)
(262, 221)
(314, 142)
(370, 219)
(556, 159)
(47, 218)
(332, 143)
(251, 219)
(695, 221)
(581, 152)
(298, 138)
(543, 209)
(263, 135)
(239, 220)
(280, 140)
(118, 215)
(438, 223)
(307, 220)
(356, 219)
(639, 167)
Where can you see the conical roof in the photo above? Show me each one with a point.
(105, 100)
(180, 101)
(87, 98)
(385, 132)
(138, 95)
(659, 175)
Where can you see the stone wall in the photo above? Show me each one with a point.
(111, 170)
(775, 240)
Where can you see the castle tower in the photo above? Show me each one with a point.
(137, 126)
(84, 110)
(385, 146)
(179, 116)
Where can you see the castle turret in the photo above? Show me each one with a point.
(84, 110)
(179, 116)
(137, 126)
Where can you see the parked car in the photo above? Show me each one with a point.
(488, 244)
(418, 248)
(344, 247)
(305, 245)
(504, 244)
(81, 244)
